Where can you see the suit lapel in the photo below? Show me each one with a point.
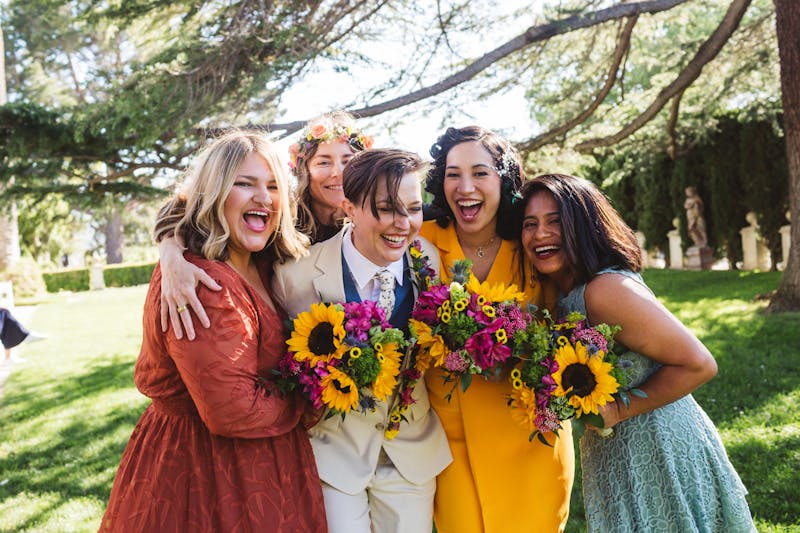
(328, 282)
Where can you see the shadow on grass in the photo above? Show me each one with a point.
(752, 372)
(769, 471)
(80, 459)
(38, 397)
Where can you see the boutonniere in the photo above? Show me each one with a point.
(423, 272)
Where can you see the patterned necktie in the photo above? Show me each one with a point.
(386, 297)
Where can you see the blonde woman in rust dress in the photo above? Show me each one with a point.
(219, 449)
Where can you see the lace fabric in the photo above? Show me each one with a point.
(665, 470)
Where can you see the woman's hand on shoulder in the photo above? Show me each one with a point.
(179, 279)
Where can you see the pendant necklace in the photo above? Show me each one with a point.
(480, 251)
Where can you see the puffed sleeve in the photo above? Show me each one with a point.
(220, 368)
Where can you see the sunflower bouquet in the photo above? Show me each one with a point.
(465, 326)
(568, 370)
(344, 356)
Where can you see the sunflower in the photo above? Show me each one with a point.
(523, 407)
(318, 334)
(390, 367)
(339, 391)
(586, 381)
(433, 344)
(494, 293)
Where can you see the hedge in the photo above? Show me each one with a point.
(128, 275)
(77, 279)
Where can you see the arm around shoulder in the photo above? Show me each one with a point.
(650, 329)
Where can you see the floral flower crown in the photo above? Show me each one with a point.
(324, 133)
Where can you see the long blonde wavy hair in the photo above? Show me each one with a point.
(207, 183)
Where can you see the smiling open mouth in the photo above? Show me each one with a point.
(256, 220)
(469, 208)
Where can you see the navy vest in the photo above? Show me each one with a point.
(403, 295)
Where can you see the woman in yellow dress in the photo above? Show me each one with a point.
(499, 482)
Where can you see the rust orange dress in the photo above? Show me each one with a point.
(498, 482)
(217, 449)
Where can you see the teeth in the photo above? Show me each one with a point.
(543, 249)
(469, 203)
(395, 240)
(334, 187)
(257, 213)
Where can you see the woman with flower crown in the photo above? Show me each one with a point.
(662, 465)
(476, 176)
(317, 159)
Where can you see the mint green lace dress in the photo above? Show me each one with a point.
(662, 471)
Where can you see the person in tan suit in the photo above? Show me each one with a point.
(371, 483)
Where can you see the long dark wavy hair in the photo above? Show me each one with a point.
(593, 234)
(506, 162)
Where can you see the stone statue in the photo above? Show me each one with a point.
(696, 224)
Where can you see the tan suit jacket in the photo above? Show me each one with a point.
(347, 450)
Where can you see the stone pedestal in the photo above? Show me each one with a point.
(675, 250)
(96, 280)
(786, 242)
(640, 238)
(755, 254)
(699, 258)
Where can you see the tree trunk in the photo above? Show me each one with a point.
(787, 16)
(114, 236)
(9, 228)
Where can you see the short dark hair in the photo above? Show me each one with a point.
(362, 175)
(593, 235)
(506, 162)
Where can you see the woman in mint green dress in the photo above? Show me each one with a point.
(664, 467)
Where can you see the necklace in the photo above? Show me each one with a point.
(480, 248)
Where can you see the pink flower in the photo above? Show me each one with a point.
(546, 420)
(455, 362)
(513, 318)
(480, 346)
(429, 301)
(319, 131)
(368, 140)
(590, 337)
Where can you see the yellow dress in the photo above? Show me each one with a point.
(498, 482)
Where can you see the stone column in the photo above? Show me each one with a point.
(640, 238)
(754, 251)
(675, 249)
(786, 241)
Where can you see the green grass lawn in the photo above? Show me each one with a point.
(66, 414)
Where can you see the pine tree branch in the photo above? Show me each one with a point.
(707, 52)
(532, 35)
(620, 52)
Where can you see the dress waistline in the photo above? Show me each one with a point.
(176, 406)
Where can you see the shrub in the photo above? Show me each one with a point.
(74, 279)
(26, 277)
(128, 275)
